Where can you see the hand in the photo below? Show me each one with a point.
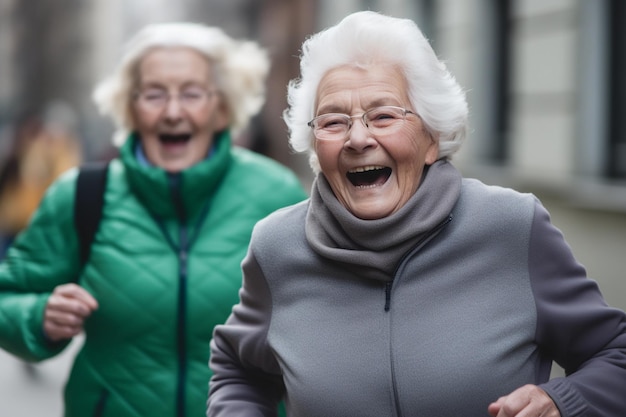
(66, 310)
(527, 401)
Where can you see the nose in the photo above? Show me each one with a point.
(173, 109)
(359, 137)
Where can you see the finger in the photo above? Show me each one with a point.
(526, 401)
(57, 332)
(63, 304)
(62, 318)
(78, 293)
(494, 408)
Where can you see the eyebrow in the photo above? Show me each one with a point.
(330, 108)
(381, 101)
(161, 86)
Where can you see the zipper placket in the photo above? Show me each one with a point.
(388, 287)
(182, 249)
(416, 247)
(175, 183)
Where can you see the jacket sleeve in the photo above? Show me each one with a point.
(246, 377)
(43, 256)
(576, 328)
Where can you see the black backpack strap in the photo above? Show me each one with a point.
(90, 186)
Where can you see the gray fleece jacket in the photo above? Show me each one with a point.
(478, 307)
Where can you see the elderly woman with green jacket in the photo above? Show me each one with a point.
(179, 206)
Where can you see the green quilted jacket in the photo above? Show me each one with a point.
(164, 268)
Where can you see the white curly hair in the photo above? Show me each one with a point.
(368, 38)
(241, 68)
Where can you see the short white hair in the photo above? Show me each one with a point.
(366, 38)
(240, 68)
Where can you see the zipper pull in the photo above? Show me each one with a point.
(388, 286)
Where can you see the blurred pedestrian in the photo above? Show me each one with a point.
(42, 147)
(180, 204)
(401, 288)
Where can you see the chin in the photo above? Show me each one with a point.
(175, 167)
(371, 213)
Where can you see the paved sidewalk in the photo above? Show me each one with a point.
(33, 390)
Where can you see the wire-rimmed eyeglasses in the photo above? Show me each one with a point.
(379, 121)
(156, 99)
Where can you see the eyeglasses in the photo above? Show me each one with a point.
(379, 121)
(190, 98)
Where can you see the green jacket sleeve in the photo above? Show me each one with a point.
(42, 257)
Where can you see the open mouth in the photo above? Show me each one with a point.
(174, 139)
(369, 176)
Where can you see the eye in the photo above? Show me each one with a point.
(333, 121)
(153, 95)
(192, 94)
(384, 116)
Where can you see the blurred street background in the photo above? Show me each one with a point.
(544, 78)
(28, 390)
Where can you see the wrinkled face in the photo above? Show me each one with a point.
(373, 176)
(176, 107)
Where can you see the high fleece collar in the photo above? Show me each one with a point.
(374, 248)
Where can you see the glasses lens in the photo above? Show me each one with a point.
(157, 99)
(331, 126)
(385, 119)
(153, 98)
(192, 98)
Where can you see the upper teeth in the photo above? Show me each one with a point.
(366, 168)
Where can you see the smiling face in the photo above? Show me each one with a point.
(372, 176)
(177, 132)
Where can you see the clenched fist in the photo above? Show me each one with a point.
(527, 401)
(67, 308)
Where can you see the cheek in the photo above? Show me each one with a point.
(143, 120)
(416, 147)
(327, 155)
(406, 152)
(208, 119)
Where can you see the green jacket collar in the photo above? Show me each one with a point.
(185, 193)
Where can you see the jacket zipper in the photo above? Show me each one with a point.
(175, 181)
(388, 288)
(182, 249)
(422, 241)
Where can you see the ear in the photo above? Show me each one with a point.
(222, 116)
(432, 153)
(131, 114)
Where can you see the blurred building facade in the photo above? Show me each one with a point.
(547, 100)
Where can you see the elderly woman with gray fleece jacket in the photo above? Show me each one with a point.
(400, 288)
